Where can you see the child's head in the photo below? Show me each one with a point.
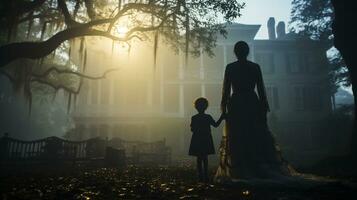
(201, 104)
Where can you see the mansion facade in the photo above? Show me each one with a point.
(142, 102)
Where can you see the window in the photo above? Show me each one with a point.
(273, 97)
(104, 131)
(105, 92)
(117, 131)
(292, 63)
(313, 98)
(94, 89)
(314, 62)
(266, 62)
(191, 93)
(171, 72)
(170, 62)
(193, 69)
(298, 98)
(308, 98)
(304, 63)
(171, 98)
(213, 94)
(119, 92)
(80, 129)
(136, 94)
(156, 93)
(214, 66)
(130, 95)
(83, 94)
(297, 63)
(93, 131)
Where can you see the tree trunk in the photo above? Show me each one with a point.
(351, 63)
(345, 40)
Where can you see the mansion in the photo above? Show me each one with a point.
(147, 103)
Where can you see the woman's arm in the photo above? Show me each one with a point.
(217, 123)
(226, 90)
(261, 91)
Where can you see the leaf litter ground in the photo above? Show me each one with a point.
(153, 183)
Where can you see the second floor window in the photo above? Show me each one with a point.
(266, 62)
(171, 98)
(297, 63)
(191, 92)
(307, 98)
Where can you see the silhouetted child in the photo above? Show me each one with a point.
(201, 142)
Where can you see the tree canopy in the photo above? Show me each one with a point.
(313, 19)
(35, 34)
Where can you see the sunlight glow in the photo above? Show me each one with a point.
(121, 31)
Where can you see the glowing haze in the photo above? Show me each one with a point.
(258, 12)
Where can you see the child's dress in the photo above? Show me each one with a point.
(201, 141)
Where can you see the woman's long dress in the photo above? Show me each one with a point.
(247, 149)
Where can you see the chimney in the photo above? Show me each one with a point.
(271, 28)
(280, 30)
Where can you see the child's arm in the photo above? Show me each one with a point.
(216, 124)
(192, 125)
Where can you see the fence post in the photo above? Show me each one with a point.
(4, 147)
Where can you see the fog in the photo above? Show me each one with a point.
(142, 101)
(46, 117)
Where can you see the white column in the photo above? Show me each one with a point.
(224, 54)
(181, 107)
(87, 102)
(181, 86)
(99, 91)
(111, 91)
(148, 126)
(149, 92)
(90, 91)
(161, 87)
(87, 133)
(110, 131)
(181, 66)
(202, 70)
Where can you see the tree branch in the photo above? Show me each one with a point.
(90, 9)
(67, 16)
(57, 87)
(67, 71)
(39, 79)
(35, 50)
(46, 15)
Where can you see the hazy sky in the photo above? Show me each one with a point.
(259, 11)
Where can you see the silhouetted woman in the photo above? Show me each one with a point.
(248, 149)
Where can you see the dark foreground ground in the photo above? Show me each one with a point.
(156, 183)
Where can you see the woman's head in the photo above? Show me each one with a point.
(241, 49)
(201, 104)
